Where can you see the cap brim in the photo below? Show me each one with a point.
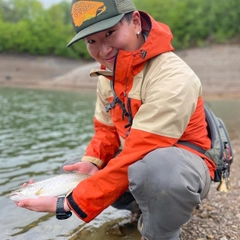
(97, 27)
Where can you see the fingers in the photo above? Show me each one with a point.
(41, 204)
(30, 182)
(82, 167)
(70, 168)
(20, 204)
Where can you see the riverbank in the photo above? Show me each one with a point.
(217, 66)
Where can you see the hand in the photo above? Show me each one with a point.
(82, 167)
(41, 204)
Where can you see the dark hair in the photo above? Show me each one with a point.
(128, 17)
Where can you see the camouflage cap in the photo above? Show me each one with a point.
(93, 16)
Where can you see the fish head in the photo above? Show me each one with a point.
(16, 195)
(85, 10)
(22, 193)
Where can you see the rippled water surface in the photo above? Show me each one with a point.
(39, 130)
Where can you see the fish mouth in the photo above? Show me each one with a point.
(13, 195)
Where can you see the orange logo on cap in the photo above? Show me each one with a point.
(85, 10)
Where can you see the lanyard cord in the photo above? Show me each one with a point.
(116, 100)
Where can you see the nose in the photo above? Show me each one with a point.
(105, 49)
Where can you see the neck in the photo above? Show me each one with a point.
(141, 40)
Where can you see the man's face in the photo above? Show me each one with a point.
(103, 45)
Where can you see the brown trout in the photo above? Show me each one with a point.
(55, 186)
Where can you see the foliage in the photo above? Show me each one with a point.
(196, 22)
(25, 26)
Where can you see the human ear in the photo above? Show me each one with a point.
(136, 20)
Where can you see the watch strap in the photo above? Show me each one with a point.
(61, 214)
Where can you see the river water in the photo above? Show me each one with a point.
(39, 130)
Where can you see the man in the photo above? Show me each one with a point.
(148, 102)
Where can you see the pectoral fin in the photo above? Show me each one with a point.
(39, 192)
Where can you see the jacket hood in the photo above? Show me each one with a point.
(155, 30)
(158, 41)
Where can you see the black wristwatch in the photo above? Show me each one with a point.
(60, 212)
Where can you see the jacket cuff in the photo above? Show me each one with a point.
(96, 161)
(74, 207)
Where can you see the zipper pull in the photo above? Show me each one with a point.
(143, 53)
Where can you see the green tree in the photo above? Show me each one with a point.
(25, 26)
(15, 10)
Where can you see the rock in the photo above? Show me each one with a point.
(210, 237)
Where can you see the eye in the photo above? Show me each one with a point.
(109, 33)
(90, 41)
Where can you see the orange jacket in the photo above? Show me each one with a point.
(163, 96)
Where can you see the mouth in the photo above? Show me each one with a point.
(110, 59)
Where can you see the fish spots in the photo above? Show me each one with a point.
(85, 10)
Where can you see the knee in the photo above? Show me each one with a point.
(167, 171)
(160, 164)
(151, 175)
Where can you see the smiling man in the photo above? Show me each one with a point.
(148, 99)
